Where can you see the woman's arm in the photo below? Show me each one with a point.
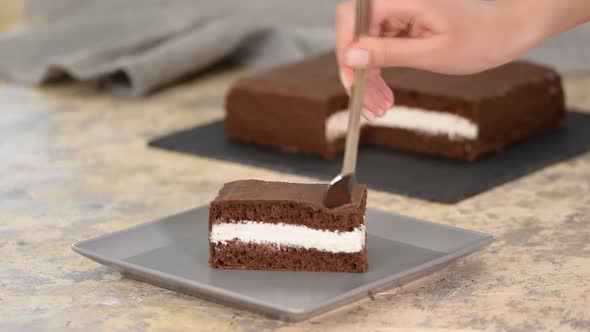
(447, 36)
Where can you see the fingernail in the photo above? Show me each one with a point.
(357, 57)
(389, 102)
(390, 98)
(369, 116)
(386, 106)
(380, 111)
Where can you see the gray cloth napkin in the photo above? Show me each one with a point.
(136, 46)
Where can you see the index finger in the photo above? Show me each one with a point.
(344, 28)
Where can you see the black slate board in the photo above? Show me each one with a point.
(431, 178)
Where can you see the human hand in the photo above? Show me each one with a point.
(444, 36)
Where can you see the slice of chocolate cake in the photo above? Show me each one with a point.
(261, 225)
(302, 108)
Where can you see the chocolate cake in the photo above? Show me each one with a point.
(259, 225)
(302, 108)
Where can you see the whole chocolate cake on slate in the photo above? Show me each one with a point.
(262, 225)
(302, 108)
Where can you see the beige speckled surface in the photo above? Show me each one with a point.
(74, 165)
(10, 13)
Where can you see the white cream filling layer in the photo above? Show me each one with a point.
(289, 235)
(416, 119)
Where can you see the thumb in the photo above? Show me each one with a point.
(378, 52)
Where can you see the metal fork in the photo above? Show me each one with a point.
(340, 190)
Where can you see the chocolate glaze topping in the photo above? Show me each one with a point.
(274, 192)
(317, 78)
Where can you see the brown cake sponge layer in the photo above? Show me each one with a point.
(252, 256)
(471, 150)
(286, 213)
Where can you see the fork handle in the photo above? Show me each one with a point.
(363, 10)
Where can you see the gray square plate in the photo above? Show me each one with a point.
(173, 253)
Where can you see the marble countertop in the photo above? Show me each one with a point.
(75, 165)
